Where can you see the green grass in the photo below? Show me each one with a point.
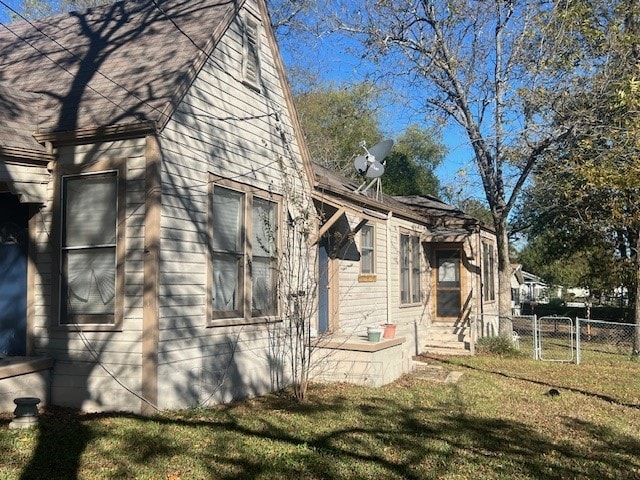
(496, 422)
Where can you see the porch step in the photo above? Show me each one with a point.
(448, 339)
(447, 349)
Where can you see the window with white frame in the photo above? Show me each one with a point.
(244, 241)
(251, 51)
(488, 272)
(88, 248)
(409, 269)
(367, 250)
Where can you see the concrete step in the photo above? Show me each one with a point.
(435, 373)
(447, 337)
(457, 348)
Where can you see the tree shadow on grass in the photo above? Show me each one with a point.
(332, 438)
(600, 396)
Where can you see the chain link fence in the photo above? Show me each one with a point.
(600, 341)
(563, 339)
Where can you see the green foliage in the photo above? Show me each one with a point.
(584, 206)
(335, 121)
(498, 345)
(410, 168)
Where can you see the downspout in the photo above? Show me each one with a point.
(389, 215)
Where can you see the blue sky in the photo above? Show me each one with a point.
(330, 56)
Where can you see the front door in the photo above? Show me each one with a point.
(13, 276)
(323, 287)
(448, 286)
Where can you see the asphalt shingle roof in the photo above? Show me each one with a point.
(117, 64)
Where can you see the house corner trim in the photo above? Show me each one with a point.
(150, 315)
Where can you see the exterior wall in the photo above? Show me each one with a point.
(229, 130)
(372, 303)
(362, 300)
(79, 381)
(361, 362)
(24, 377)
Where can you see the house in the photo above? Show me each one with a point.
(533, 289)
(410, 261)
(517, 282)
(151, 172)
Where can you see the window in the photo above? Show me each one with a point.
(409, 269)
(448, 288)
(488, 272)
(367, 251)
(243, 255)
(251, 52)
(90, 274)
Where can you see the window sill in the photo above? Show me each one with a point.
(236, 322)
(410, 305)
(87, 327)
(367, 278)
(251, 86)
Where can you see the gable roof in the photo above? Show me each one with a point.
(119, 64)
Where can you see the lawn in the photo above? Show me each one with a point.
(496, 422)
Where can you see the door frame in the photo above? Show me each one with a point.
(449, 247)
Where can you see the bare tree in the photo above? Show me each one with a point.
(476, 65)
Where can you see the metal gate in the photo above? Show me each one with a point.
(554, 339)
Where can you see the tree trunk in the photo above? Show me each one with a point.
(505, 325)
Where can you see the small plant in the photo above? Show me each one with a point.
(498, 345)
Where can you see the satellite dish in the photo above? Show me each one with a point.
(370, 165)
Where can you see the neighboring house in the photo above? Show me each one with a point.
(517, 281)
(151, 166)
(533, 289)
(411, 261)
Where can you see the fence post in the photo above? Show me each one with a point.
(577, 340)
(536, 340)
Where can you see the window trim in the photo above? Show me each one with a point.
(488, 272)
(370, 276)
(251, 51)
(100, 167)
(246, 317)
(413, 239)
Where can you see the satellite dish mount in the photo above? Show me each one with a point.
(371, 164)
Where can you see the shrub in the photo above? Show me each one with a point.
(502, 346)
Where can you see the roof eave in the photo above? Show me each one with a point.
(92, 134)
(26, 154)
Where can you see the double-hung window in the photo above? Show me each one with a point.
(367, 251)
(409, 269)
(488, 272)
(243, 270)
(90, 274)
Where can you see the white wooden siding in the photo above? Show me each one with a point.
(224, 128)
(79, 381)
